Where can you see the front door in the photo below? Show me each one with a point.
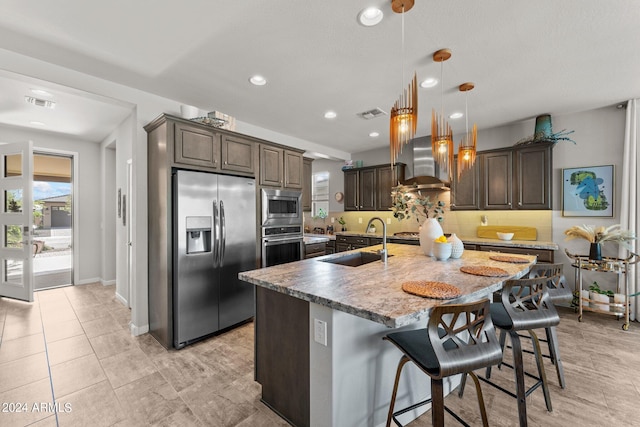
(16, 219)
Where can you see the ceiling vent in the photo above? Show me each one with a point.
(372, 114)
(40, 102)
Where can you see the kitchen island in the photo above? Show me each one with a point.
(319, 325)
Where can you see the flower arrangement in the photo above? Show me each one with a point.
(407, 203)
(601, 234)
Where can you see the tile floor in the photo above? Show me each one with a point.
(73, 343)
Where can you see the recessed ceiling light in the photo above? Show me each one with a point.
(370, 16)
(258, 80)
(456, 115)
(40, 92)
(35, 123)
(374, 134)
(429, 82)
(40, 102)
(330, 115)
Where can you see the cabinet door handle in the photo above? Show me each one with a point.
(225, 162)
(519, 203)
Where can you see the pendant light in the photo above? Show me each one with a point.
(403, 120)
(467, 148)
(441, 134)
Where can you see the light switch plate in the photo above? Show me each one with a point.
(320, 331)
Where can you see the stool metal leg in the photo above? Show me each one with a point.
(554, 351)
(437, 403)
(518, 365)
(483, 409)
(401, 364)
(541, 372)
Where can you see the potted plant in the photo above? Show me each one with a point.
(408, 202)
(596, 236)
(342, 223)
(600, 297)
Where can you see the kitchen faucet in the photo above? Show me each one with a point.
(383, 252)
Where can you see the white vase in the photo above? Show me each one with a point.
(599, 301)
(429, 231)
(457, 247)
(442, 250)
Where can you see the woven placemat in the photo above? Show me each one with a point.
(481, 270)
(436, 290)
(507, 258)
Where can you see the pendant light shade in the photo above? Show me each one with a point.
(467, 148)
(403, 118)
(441, 134)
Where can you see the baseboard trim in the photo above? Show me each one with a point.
(121, 299)
(89, 281)
(107, 282)
(138, 330)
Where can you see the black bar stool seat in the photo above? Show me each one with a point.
(459, 338)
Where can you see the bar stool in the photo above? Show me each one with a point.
(440, 352)
(524, 306)
(558, 293)
(557, 284)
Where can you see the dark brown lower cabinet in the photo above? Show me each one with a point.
(282, 354)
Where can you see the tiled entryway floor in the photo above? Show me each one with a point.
(73, 343)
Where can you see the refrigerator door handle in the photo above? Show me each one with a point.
(215, 236)
(223, 240)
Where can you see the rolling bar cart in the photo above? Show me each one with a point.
(618, 266)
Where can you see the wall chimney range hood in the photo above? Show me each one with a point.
(426, 173)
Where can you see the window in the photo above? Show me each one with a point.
(320, 193)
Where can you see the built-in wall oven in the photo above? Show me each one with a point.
(282, 244)
(282, 235)
(281, 207)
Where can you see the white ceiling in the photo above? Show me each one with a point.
(526, 58)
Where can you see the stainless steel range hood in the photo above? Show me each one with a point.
(426, 173)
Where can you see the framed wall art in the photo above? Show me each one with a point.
(588, 191)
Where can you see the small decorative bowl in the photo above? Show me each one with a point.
(505, 236)
(441, 251)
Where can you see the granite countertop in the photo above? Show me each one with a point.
(374, 291)
(318, 238)
(531, 244)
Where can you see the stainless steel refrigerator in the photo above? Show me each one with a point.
(215, 239)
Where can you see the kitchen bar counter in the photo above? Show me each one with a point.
(320, 357)
(374, 291)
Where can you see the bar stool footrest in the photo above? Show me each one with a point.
(424, 402)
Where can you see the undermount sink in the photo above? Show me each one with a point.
(355, 260)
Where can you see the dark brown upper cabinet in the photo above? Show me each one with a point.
(465, 190)
(307, 176)
(505, 179)
(369, 188)
(280, 167)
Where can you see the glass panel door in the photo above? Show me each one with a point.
(16, 217)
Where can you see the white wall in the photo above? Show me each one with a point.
(88, 197)
(122, 137)
(109, 206)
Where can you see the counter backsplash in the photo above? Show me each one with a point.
(463, 223)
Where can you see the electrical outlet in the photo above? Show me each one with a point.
(320, 332)
(388, 221)
(333, 220)
(359, 220)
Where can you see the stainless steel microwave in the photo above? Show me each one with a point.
(281, 207)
